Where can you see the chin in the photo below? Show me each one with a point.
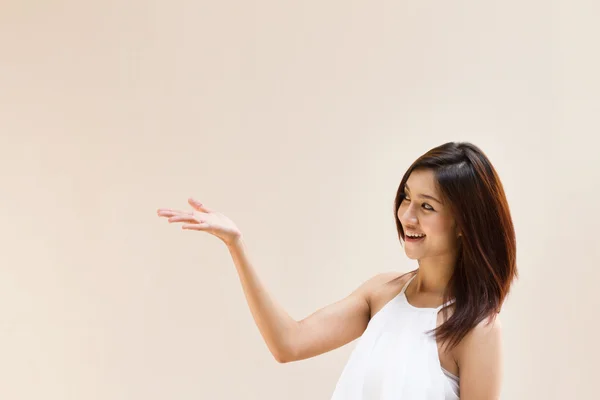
(412, 255)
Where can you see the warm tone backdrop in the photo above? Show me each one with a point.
(297, 120)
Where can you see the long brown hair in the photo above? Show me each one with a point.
(486, 263)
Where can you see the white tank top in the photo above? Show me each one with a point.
(395, 359)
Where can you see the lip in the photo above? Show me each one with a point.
(411, 240)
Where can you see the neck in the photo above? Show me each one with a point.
(433, 275)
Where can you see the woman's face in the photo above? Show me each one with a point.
(422, 212)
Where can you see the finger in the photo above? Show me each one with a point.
(195, 227)
(167, 212)
(184, 218)
(198, 205)
(172, 210)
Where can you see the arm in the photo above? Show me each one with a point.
(286, 338)
(291, 340)
(480, 362)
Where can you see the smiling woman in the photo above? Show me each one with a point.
(472, 223)
(428, 334)
(439, 337)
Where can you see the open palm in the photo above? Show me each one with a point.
(201, 218)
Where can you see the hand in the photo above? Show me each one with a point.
(204, 219)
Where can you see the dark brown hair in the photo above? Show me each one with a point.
(486, 262)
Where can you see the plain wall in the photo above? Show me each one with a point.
(297, 120)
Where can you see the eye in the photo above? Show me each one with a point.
(425, 205)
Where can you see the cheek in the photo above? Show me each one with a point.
(400, 212)
(440, 227)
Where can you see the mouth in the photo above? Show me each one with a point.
(414, 238)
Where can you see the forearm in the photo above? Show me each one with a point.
(274, 323)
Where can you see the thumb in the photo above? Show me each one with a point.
(198, 205)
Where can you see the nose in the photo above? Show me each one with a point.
(408, 217)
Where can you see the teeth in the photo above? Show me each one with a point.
(416, 236)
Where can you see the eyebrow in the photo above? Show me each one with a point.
(426, 196)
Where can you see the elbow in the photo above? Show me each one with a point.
(286, 348)
(282, 359)
(285, 353)
(283, 356)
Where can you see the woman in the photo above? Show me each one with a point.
(432, 333)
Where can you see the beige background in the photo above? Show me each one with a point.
(297, 120)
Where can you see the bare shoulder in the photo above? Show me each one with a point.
(381, 288)
(479, 357)
(486, 334)
(383, 279)
(487, 331)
